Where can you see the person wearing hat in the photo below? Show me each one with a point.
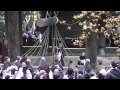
(113, 73)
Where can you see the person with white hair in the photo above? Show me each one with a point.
(88, 67)
(20, 71)
(44, 65)
(29, 66)
(103, 72)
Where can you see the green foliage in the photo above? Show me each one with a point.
(28, 18)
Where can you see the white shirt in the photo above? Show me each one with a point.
(59, 56)
(50, 75)
(83, 61)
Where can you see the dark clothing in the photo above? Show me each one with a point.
(6, 65)
(29, 66)
(0, 48)
(23, 59)
(29, 41)
(107, 41)
(44, 66)
(113, 74)
(88, 68)
(24, 41)
(4, 52)
(54, 66)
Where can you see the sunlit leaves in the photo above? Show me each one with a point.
(80, 23)
(69, 27)
(88, 20)
(85, 27)
(62, 22)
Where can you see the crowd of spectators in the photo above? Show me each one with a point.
(22, 68)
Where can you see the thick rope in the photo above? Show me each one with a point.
(40, 50)
(60, 39)
(37, 47)
(31, 49)
(63, 41)
(46, 43)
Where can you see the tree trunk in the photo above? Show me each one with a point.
(101, 43)
(20, 30)
(13, 33)
(91, 48)
(6, 26)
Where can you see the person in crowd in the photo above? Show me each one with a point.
(17, 62)
(29, 40)
(43, 74)
(100, 76)
(7, 63)
(44, 65)
(29, 66)
(112, 73)
(70, 73)
(25, 37)
(56, 74)
(80, 75)
(82, 59)
(56, 64)
(87, 66)
(93, 75)
(71, 65)
(86, 76)
(99, 66)
(34, 39)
